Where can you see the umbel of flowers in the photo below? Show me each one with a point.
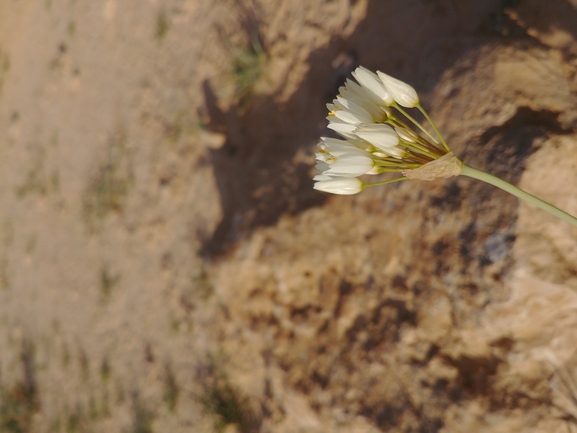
(375, 139)
(372, 118)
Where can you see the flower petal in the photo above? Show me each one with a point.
(402, 93)
(406, 135)
(322, 166)
(341, 127)
(323, 176)
(372, 86)
(333, 145)
(353, 117)
(351, 165)
(382, 136)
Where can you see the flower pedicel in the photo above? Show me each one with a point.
(375, 140)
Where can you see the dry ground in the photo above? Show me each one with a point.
(165, 265)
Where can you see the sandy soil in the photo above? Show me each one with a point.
(166, 265)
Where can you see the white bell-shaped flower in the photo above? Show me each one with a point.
(351, 164)
(403, 94)
(372, 86)
(381, 136)
(344, 146)
(354, 93)
(350, 112)
(339, 185)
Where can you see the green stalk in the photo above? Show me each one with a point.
(422, 149)
(505, 186)
(445, 145)
(417, 124)
(397, 123)
(391, 170)
(402, 165)
(384, 182)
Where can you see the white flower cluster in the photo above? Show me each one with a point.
(374, 138)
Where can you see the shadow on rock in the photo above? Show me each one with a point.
(264, 169)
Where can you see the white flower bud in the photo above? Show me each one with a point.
(402, 93)
(342, 186)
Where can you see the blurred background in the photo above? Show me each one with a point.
(166, 266)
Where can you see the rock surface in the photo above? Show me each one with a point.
(166, 265)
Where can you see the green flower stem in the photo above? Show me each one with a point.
(397, 123)
(417, 124)
(384, 182)
(400, 165)
(422, 149)
(390, 170)
(418, 106)
(505, 186)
